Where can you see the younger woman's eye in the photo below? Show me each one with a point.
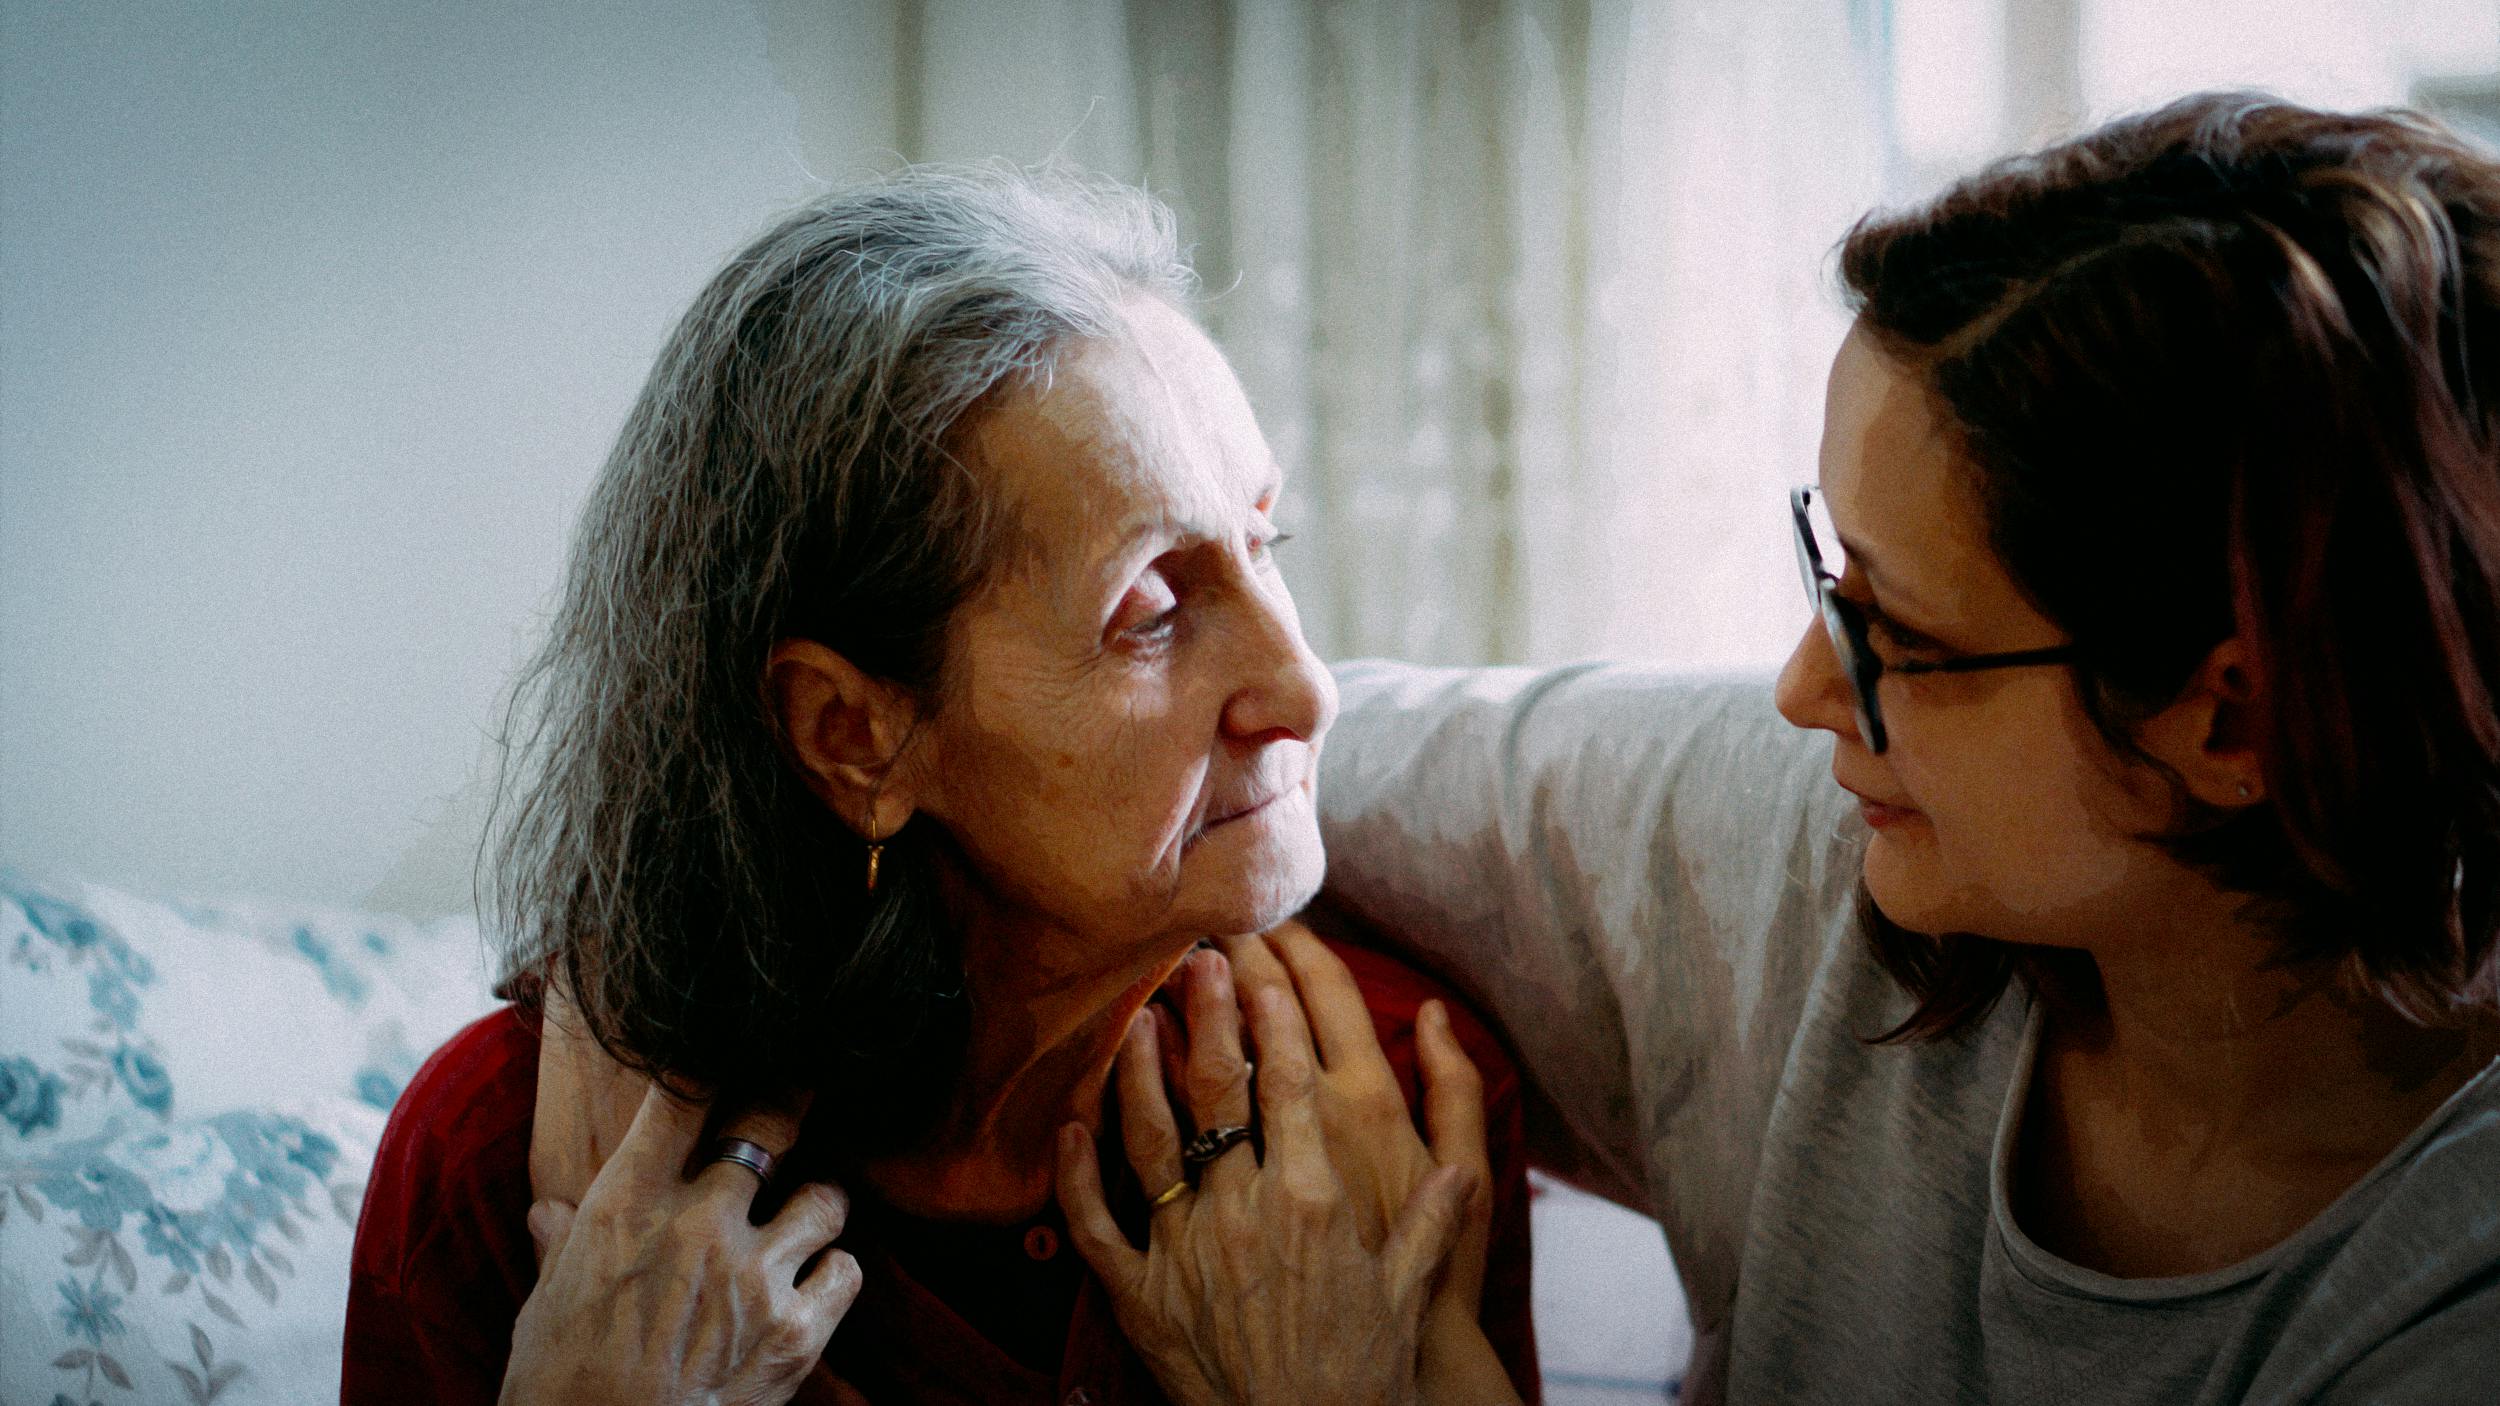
(1902, 638)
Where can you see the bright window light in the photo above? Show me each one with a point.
(1948, 79)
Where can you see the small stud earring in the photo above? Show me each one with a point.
(2245, 791)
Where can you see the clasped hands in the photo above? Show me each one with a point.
(1341, 1262)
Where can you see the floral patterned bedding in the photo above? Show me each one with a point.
(189, 1100)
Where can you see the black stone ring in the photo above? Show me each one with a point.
(1213, 1143)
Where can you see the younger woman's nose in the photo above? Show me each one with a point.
(1812, 692)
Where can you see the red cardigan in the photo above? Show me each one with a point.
(949, 1313)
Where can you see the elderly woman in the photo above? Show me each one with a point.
(2092, 994)
(923, 694)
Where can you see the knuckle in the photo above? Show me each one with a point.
(1289, 1078)
(1211, 1083)
(823, 1204)
(1308, 1191)
(843, 1280)
(1154, 1144)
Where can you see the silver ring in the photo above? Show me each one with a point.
(754, 1157)
(1213, 1143)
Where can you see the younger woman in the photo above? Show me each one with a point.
(2093, 997)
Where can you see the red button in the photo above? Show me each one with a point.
(1041, 1242)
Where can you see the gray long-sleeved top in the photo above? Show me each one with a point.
(1650, 883)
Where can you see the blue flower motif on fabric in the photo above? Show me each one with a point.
(117, 970)
(342, 979)
(30, 1098)
(197, 1192)
(377, 1088)
(59, 921)
(80, 1178)
(87, 1311)
(113, 998)
(143, 1075)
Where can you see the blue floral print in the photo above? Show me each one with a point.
(30, 1099)
(144, 1077)
(343, 980)
(87, 1310)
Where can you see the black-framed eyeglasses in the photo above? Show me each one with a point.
(1845, 621)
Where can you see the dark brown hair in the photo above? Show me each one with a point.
(788, 472)
(2232, 368)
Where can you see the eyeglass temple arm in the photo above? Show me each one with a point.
(1975, 663)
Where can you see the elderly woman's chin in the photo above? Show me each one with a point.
(1251, 872)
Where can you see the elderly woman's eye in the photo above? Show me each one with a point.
(1155, 626)
(1260, 547)
(1151, 611)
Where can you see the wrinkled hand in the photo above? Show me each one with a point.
(1257, 1286)
(658, 1289)
(1372, 1140)
(1371, 1135)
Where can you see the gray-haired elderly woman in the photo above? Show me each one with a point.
(923, 704)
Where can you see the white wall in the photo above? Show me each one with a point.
(315, 322)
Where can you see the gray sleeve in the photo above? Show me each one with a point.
(1635, 873)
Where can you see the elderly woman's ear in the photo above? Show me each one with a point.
(845, 731)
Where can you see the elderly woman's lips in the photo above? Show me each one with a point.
(1251, 809)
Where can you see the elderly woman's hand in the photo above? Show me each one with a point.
(658, 1289)
(1259, 1286)
(1371, 1135)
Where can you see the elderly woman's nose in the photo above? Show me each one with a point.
(1285, 688)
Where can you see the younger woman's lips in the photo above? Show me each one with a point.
(1877, 813)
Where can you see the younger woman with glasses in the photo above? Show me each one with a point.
(2092, 997)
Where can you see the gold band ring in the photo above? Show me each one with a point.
(1171, 1193)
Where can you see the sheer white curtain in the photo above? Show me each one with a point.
(1530, 294)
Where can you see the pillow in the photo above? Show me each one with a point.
(190, 1098)
(117, 1006)
(198, 1259)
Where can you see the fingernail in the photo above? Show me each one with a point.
(1436, 1013)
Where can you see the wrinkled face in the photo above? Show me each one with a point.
(1997, 808)
(1130, 731)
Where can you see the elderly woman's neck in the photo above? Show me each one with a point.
(1045, 1030)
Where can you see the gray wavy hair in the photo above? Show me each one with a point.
(790, 471)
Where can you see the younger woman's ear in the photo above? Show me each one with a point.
(844, 730)
(2209, 735)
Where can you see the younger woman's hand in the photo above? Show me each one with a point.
(1257, 1286)
(658, 1289)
